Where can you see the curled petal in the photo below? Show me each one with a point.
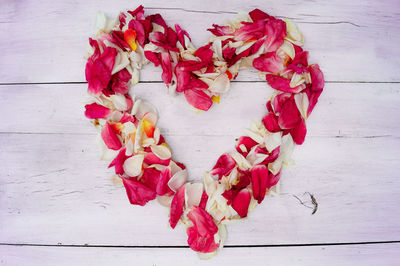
(177, 206)
(142, 108)
(244, 145)
(138, 194)
(110, 138)
(177, 180)
(133, 165)
(224, 165)
(221, 84)
(181, 35)
(95, 110)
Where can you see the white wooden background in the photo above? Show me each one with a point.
(59, 205)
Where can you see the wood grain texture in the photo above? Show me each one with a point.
(352, 41)
(358, 255)
(344, 110)
(54, 190)
(68, 196)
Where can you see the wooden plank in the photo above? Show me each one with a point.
(352, 41)
(53, 189)
(362, 255)
(352, 110)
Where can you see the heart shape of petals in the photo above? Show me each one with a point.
(129, 135)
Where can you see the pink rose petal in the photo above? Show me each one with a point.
(198, 99)
(201, 234)
(224, 165)
(94, 111)
(138, 194)
(282, 84)
(118, 162)
(245, 143)
(270, 122)
(259, 179)
(166, 67)
(110, 138)
(241, 202)
(177, 206)
(268, 62)
(162, 186)
(150, 178)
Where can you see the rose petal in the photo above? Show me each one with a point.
(270, 122)
(118, 162)
(162, 186)
(282, 84)
(166, 67)
(110, 138)
(224, 165)
(299, 133)
(151, 158)
(177, 180)
(138, 194)
(161, 152)
(268, 62)
(193, 194)
(201, 234)
(133, 165)
(198, 99)
(177, 206)
(94, 111)
(241, 202)
(244, 145)
(259, 179)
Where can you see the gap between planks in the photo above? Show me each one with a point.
(225, 246)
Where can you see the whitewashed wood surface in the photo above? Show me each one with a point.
(59, 205)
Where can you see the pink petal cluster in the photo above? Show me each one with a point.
(128, 126)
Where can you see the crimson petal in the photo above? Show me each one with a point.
(138, 194)
(95, 110)
(110, 138)
(201, 234)
(177, 206)
(198, 99)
